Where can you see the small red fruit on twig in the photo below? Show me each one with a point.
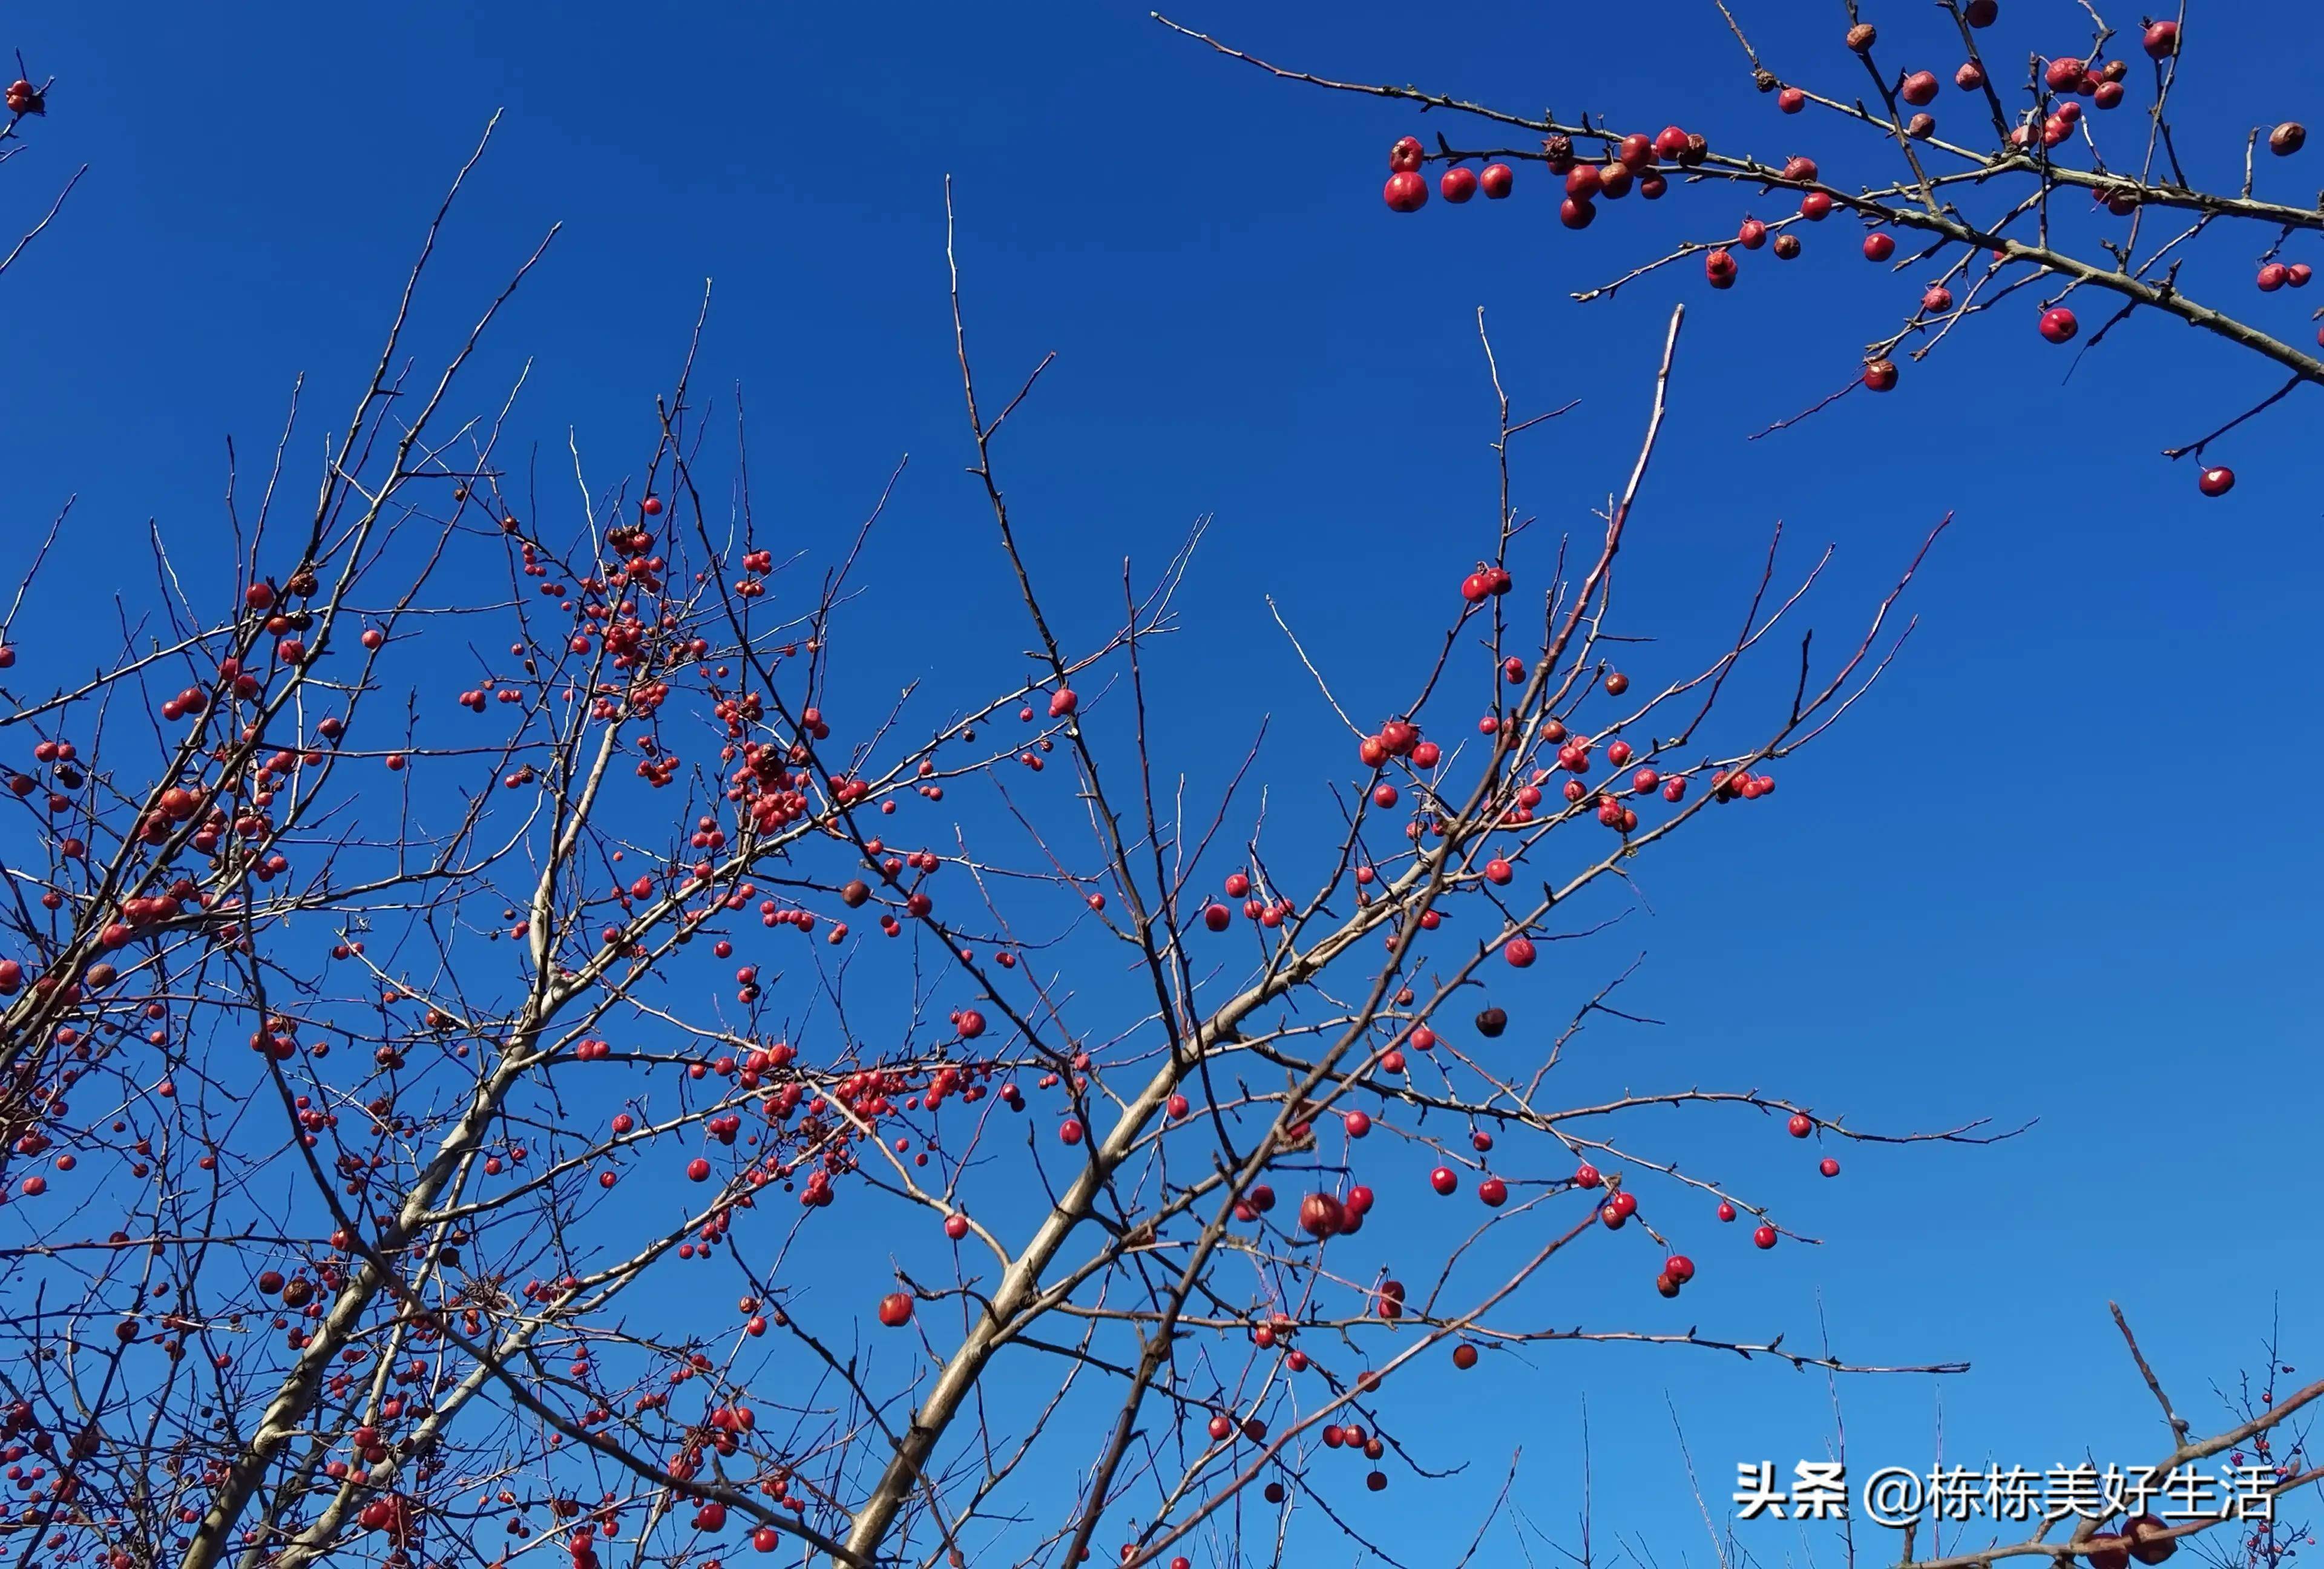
(896, 1309)
(1406, 192)
(2216, 481)
(2148, 1544)
(1320, 1215)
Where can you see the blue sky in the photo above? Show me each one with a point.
(2059, 866)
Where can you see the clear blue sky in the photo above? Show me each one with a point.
(2063, 866)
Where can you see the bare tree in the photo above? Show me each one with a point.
(467, 950)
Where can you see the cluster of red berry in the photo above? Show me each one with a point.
(1407, 188)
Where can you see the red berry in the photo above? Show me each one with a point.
(1718, 267)
(1981, 12)
(1583, 181)
(1752, 235)
(2138, 1528)
(1458, 184)
(697, 1169)
(896, 1309)
(1726, 1210)
(1496, 181)
(1679, 1269)
(955, 1226)
(1801, 1125)
(1217, 917)
(1765, 1237)
(1464, 1356)
(1969, 77)
(1879, 247)
(1828, 1167)
(1815, 207)
(2161, 40)
(1406, 192)
(1519, 952)
(1791, 100)
(1444, 1180)
(1586, 1176)
(2216, 481)
(2065, 74)
(2058, 324)
(1320, 1215)
(1494, 1191)
(2272, 277)
(1938, 301)
(1879, 376)
(1070, 1131)
(650, 506)
(1920, 89)
(1576, 214)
